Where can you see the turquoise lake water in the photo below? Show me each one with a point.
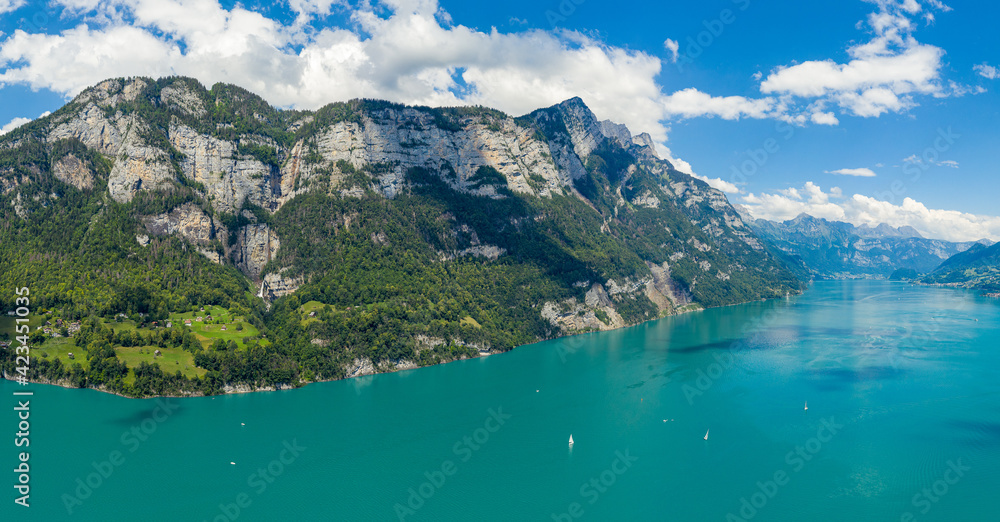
(903, 423)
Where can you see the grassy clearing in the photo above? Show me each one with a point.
(469, 321)
(170, 360)
(306, 309)
(60, 348)
(207, 332)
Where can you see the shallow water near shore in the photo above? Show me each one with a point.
(903, 417)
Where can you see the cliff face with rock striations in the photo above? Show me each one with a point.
(605, 232)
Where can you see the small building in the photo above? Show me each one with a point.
(223, 328)
(156, 353)
(187, 322)
(70, 355)
(208, 318)
(312, 314)
(199, 318)
(170, 324)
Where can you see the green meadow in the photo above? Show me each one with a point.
(223, 326)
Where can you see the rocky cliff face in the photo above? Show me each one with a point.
(72, 170)
(400, 139)
(229, 178)
(187, 221)
(257, 245)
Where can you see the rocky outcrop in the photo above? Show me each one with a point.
(180, 96)
(19, 207)
(257, 245)
(72, 170)
(584, 129)
(187, 221)
(596, 312)
(399, 139)
(646, 199)
(229, 178)
(92, 128)
(110, 92)
(490, 252)
(664, 291)
(138, 166)
(276, 285)
(359, 367)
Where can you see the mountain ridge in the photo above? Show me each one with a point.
(824, 249)
(421, 234)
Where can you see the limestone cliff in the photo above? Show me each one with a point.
(187, 221)
(257, 245)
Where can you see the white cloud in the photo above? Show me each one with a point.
(691, 103)
(858, 209)
(987, 71)
(913, 70)
(884, 74)
(7, 6)
(862, 172)
(673, 47)
(13, 124)
(719, 184)
(922, 162)
(824, 118)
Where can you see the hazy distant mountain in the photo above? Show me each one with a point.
(836, 250)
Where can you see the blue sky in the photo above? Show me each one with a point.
(863, 111)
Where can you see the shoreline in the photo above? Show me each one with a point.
(244, 388)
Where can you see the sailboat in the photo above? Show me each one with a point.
(807, 406)
(706, 434)
(570, 439)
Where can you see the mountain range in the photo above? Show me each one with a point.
(821, 249)
(364, 236)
